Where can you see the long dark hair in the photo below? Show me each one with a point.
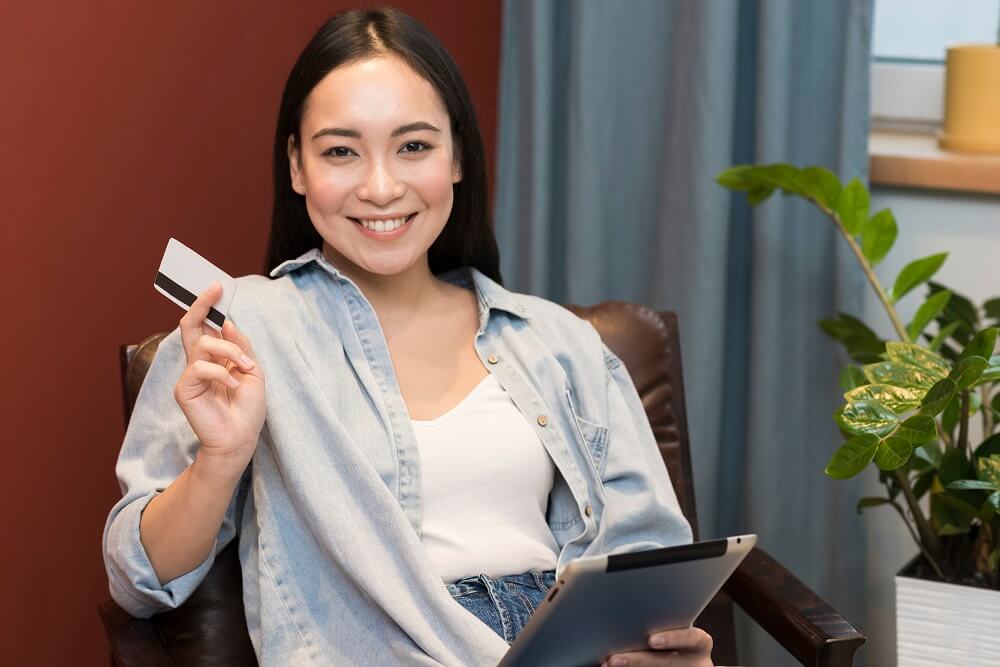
(467, 238)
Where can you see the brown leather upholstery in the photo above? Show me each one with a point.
(210, 628)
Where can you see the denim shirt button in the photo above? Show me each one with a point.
(492, 359)
(543, 420)
(588, 510)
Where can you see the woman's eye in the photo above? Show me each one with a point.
(338, 151)
(420, 147)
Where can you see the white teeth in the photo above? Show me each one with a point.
(383, 225)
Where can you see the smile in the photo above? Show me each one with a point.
(384, 228)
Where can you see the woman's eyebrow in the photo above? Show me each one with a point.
(354, 134)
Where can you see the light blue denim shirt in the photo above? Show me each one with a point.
(328, 512)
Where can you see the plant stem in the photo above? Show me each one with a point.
(987, 410)
(897, 324)
(916, 539)
(927, 535)
(963, 423)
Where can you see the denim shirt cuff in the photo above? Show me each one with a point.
(144, 595)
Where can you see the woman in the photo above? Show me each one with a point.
(388, 431)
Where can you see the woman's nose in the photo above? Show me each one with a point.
(381, 187)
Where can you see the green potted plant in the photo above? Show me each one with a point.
(909, 406)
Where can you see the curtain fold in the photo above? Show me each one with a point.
(615, 118)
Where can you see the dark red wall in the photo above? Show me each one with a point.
(125, 123)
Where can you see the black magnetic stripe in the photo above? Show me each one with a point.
(185, 297)
(678, 554)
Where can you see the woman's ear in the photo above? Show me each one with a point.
(456, 171)
(295, 166)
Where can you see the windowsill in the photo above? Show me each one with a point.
(915, 161)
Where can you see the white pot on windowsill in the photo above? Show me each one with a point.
(941, 624)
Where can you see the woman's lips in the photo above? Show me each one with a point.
(385, 236)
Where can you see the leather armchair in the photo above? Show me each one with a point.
(210, 627)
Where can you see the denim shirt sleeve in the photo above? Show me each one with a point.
(641, 509)
(159, 445)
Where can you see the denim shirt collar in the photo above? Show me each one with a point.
(491, 295)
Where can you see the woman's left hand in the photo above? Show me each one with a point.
(690, 647)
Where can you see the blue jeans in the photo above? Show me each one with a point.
(503, 603)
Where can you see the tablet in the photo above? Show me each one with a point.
(611, 604)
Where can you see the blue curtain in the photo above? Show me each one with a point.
(615, 118)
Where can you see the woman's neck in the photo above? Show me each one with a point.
(392, 296)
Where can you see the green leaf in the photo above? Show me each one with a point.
(867, 417)
(915, 273)
(981, 345)
(852, 207)
(988, 447)
(953, 466)
(923, 483)
(917, 430)
(992, 372)
(759, 194)
(872, 501)
(995, 501)
(823, 186)
(931, 451)
(852, 457)
(988, 469)
(991, 308)
(913, 354)
(740, 177)
(928, 310)
(859, 340)
(943, 334)
(900, 375)
(851, 377)
(878, 236)
(938, 396)
(949, 417)
(897, 399)
(788, 177)
(967, 510)
(967, 371)
(972, 485)
(893, 453)
(960, 309)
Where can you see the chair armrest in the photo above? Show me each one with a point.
(805, 625)
(134, 641)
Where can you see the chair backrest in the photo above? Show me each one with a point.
(210, 627)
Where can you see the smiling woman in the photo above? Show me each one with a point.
(419, 424)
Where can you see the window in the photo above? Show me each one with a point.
(909, 46)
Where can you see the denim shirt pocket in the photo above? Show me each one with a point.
(593, 436)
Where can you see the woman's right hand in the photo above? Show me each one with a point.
(221, 391)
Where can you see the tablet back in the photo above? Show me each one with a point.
(611, 604)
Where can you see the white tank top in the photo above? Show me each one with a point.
(486, 484)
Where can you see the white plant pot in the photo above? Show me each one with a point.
(941, 624)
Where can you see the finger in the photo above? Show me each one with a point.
(192, 323)
(686, 639)
(203, 372)
(234, 335)
(219, 349)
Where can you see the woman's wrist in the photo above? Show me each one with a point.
(215, 469)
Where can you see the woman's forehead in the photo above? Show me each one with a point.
(381, 91)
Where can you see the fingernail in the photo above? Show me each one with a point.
(619, 661)
(656, 641)
(233, 382)
(247, 361)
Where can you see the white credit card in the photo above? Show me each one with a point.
(184, 275)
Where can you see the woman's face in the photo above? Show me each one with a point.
(376, 147)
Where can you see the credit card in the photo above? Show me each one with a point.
(184, 275)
